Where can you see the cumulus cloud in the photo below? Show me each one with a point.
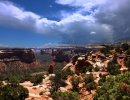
(105, 23)
(79, 2)
(13, 16)
(85, 6)
(79, 33)
(16, 17)
(116, 14)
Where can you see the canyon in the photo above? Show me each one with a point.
(14, 59)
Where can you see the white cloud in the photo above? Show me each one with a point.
(52, 45)
(13, 16)
(85, 6)
(76, 17)
(69, 29)
(92, 33)
(115, 14)
(79, 2)
(73, 28)
(49, 45)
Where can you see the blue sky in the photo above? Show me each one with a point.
(44, 23)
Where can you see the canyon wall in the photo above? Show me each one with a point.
(17, 60)
(23, 55)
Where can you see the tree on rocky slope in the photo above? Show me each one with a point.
(127, 63)
(114, 60)
(69, 95)
(91, 86)
(13, 91)
(115, 88)
(125, 46)
(58, 80)
(89, 78)
(102, 80)
(75, 83)
(10, 92)
(113, 69)
(36, 79)
(128, 52)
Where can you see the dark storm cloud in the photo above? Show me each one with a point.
(84, 32)
(110, 20)
(116, 14)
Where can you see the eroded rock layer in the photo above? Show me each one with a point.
(15, 60)
(23, 55)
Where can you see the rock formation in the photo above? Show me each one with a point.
(23, 55)
(60, 56)
(16, 60)
(50, 70)
(77, 63)
(81, 63)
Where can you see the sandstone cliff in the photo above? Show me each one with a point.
(23, 55)
(60, 56)
(16, 60)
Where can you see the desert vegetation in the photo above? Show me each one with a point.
(97, 75)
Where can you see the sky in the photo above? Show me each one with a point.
(47, 23)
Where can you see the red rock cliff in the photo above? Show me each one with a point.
(23, 55)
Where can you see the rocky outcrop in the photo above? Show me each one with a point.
(17, 60)
(74, 59)
(50, 70)
(60, 56)
(23, 55)
(77, 63)
(80, 63)
(17, 65)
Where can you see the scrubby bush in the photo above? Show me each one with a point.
(65, 96)
(127, 63)
(36, 79)
(75, 83)
(88, 79)
(114, 88)
(91, 86)
(102, 80)
(113, 69)
(10, 92)
(125, 46)
(41, 93)
(96, 69)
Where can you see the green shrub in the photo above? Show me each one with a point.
(41, 93)
(113, 69)
(88, 79)
(16, 92)
(90, 68)
(65, 96)
(114, 88)
(125, 46)
(96, 69)
(36, 79)
(90, 86)
(75, 83)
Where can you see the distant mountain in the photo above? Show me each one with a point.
(125, 40)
